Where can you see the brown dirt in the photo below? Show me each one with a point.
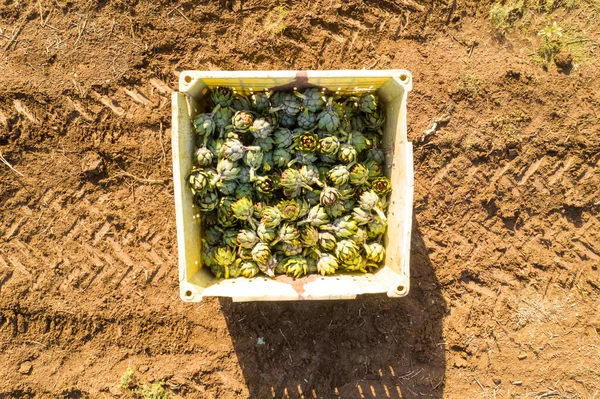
(505, 284)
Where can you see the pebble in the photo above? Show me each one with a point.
(25, 368)
(522, 356)
(143, 368)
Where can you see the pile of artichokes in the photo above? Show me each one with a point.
(290, 183)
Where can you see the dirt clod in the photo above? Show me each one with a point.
(25, 368)
(92, 164)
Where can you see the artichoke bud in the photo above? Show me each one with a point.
(242, 120)
(226, 219)
(328, 119)
(329, 196)
(304, 157)
(283, 137)
(240, 103)
(310, 175)
(227, 170)
(262, 127)
(359, 141)
(327, 241)
(381, 186)
(224, 256)
(289, 209)
(207, 201)
(306, 120)
(346, 251)
(309, 236)
(327, 264)
(335, 210)
(375, 168)
(230, 237)
(281, 157)
(312, 99)
(317, 216)
(260, 102)
(290, 248)
(374, 120)
(288, 233)
(359, 175)
(246, 238)
(292, 181)
(329, 145)
(347, 154)
(339, 175)
(226, 187)
(271, 216)
(249, 269)
(362, 217)
(307, 141)
(198, 182)
(222, 118)
(368, 103)
(266, 234)
(212, 235)
(375, 252)
(204, 125)
(295, 266)
(376, 227)
(244, 190)
(208, 256)
(266, 144)
(265, 185)
(203, 157)
(268, 268)
(261, 253)
(376, 155)
(222, 96)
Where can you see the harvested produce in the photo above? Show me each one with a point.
(290, 183)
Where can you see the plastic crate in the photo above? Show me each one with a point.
(393, 278)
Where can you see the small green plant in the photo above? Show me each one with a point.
(130, 383)
(551, 43)
(469, 85)
(274, 21)
(503, 15)
(126, 380)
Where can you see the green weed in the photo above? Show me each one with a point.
(274, 21)
(504, 15)
(469, 85)
(551, 43)
(129, 382)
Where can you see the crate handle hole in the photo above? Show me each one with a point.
(187, 79)
(404, 78)
(400, 289)
(188, 293)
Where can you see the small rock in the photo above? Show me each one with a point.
(25, 368)
(143, 368)
(497, 381)
(522, 356)
(460, 363)
(517, 383)
(512, 153)
(260, 341)
(92, 164)
(564, 61)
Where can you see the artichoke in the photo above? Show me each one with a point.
(293, 182)
(266, 234)
(376, 227)
(328, 119)
(339, 175)
(244, 190)
(307, 141)
(266, 184)
(208, 256)
(260, 102)
(376, 155)
(212, 235)
(254, 160)
(281, 157)
(343, 227)
(242, 120)
(261, 253)
(317, 216)
(312, 99)
(249, 269)
(266, 144)
(374, 120)
(347, 154)
(287, 120)
(225, 256)
(204, 125)
(243, 209)
(329, 196)
(362, 217)
(295, 266)
(226, 187)
(283, 137)
(327, 241)
(336, 210)
(240, 103)
(310, 175)
(381, 186)
(262, 127)
(306, 120)
(368, 103)
(288, 103)
(375, 168)
(312, 197)
(359, 175)
(207, 201)
(290, 248)
(369, 202)
(230, 237)
(269, 267)
(304, 157)
(327, 264)
(226, 170)
(247, 239)
(359, 141)
(290, 209)
(287, 233)
(374, 252)
(222, 96)
(203, 157)
(329, 146)
(222, 118)
(309, 236)
(347, 252)
(271, 216)
(198, 181)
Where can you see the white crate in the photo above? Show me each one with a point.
(393, 278)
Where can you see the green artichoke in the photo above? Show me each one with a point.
(254, 160)
(375, 169)
(339, 175)
(244, 190)
(283, 137)
(262, 127)
(347, 154)
(247, 238)
(207, 201)
(359, 175)
(266, 234)
(374, 120)
(243, 209)
(369, 201)
(312, 99)
(306, 120)
(265, 185)
(368, 103)
(290, 248)
(288, 103)
(347, 252)
(261, 253)
(381, 186)
(281, 157)
(307, 141)
(359, 141)
(260, 102)
(271, 216)
(335, 210)
(266, 144)
(226, 187)
(343, 227)
(198, 181)
(240, 103)
(327, 264)
(287, 233)
(290, 209)
(249, 269)
(205, 125)
(304, 157)
(295, 266)
(268, 268)
(242, 120)
(230, 237)
(310, 175)
(222, 118)
(329, 146)
(362, 217)
(376, 155)
(317, 216)
(376, 227)
(327, 241)
(293, 182)
(227, 170)
(375, 252)
(309, 236)
(203, 157)
(222, 96)
(212, 235)
(329, 196)
(328, 119)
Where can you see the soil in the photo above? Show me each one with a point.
(505, 289)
